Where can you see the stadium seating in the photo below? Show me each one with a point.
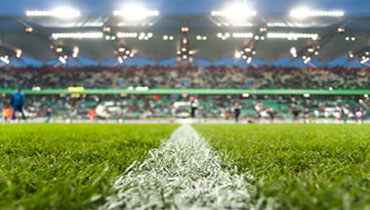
(266, 77)
(211, 106)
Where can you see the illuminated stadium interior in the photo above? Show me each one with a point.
(210, 104)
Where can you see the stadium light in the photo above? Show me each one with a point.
(145, 36)
(292, 36)
(28, 30)
(249, 60)
(76, 50)
(303, 12)
(127, 35)
(365, 60)
(242, 35)
(18, 53)
(236, 12)
(293, 51)
(5, 59)
(306, 60)
(120, 59)
(224, 36)
(62, 59)
(135, 12)
(63, 13)
(77, 35)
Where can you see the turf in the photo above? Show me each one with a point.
(68, 166)
(300, 166)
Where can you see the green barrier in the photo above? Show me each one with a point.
(191, 91)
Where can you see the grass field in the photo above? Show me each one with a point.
(68, 166)
(300, 166)
(73, 166)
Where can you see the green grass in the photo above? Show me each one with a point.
(68, 166)
(300, 166)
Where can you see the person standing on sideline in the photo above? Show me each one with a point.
(17, 102)
(48, 114)
(194, 104)
(237, 109)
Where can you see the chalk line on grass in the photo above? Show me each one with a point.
(183, 173)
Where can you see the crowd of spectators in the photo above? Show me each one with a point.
(266, 77)
(172, 106)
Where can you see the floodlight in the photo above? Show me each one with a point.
(365, 60)
(240, 35)
(127, 35)
(249, 60)
(64, 13)
(135, 12)
(120, 60)
(5, 59)
(76, 50)
(62, 60)
(292, 36)
(304, 12)
(307, 60)
(59, 50)
(18, 53)
(237, 11)
(77, 35)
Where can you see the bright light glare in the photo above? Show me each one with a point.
(249, 60)
(237, 11)
(64, 13)
(5, 59)
(303, 12)
(126, 34)
(135, 12)
(77, 35)
(292, 36)
(242, 35)
(62, 60)
(76, 50)
(293, 51)
(307, 60)
(18, 53)
(365, 60)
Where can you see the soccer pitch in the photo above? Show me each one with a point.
(91, 166)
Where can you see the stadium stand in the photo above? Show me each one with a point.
(212, 106)
(265, 77)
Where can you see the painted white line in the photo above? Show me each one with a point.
(184, 173)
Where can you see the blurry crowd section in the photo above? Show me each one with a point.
(116, 107)
(266, 77)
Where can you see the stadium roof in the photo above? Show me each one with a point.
(330, 45)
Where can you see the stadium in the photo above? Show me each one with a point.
(230, 108)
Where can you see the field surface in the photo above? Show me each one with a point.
(299, 166)
(69, 166)
(76, 166)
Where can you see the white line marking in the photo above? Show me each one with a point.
(184, 173)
